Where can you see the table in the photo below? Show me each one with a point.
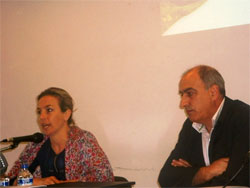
(94, 184)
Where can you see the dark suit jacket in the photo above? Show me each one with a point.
(230, 138)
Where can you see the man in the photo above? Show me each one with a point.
(214, 141)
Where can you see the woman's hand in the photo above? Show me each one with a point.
(46, 181)
(50, 180)
(68, 181)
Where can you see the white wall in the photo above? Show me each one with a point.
(123, 75)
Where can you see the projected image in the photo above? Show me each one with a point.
(183, 16)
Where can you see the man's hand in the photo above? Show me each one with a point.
(180, 163)
(219, 166)
(205, 174)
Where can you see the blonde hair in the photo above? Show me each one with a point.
(64, 99)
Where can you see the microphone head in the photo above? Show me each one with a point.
(3, 164)
(37, 137)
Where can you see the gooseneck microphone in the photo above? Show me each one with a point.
(246, 161)
(37, 138)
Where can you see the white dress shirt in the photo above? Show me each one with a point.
(206, 135)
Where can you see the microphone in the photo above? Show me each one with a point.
(37, 138)
(3, 164)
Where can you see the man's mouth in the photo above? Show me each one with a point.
(189, 111)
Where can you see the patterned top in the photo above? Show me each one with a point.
(84, 159)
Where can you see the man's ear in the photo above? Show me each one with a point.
(214, 92)
(67, 114)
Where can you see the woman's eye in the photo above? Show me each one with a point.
(49, 110)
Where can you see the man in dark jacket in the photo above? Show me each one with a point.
(213, 145)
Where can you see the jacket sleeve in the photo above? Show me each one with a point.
(179, 176)
(99, 167)
(236, 129)
(85, 160)
(26, 156)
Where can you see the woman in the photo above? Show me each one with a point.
(67, 152)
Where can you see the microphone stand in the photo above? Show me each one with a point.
(12, 146)
(3, 161)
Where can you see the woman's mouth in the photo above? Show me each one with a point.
(45, 126)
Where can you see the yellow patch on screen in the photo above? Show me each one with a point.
(183, 16)
(173, 10)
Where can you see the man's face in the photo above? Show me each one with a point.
(196, 100)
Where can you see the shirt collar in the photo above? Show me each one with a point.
(201, 128)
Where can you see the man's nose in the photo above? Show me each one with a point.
(184, 101)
